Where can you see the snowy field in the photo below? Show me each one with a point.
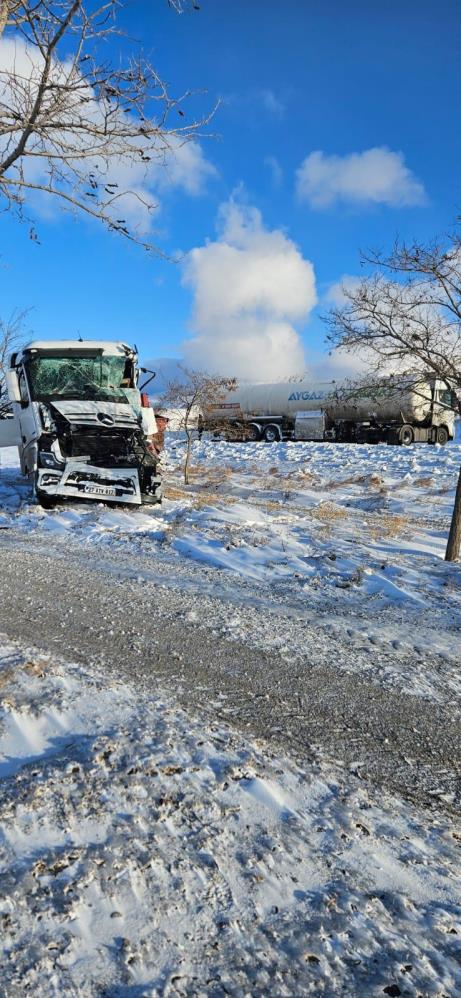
(144, 853)
(147, 852)
(274, 539)
(368, 519)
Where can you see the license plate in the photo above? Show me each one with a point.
(99, 490)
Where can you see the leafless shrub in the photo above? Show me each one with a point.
(388, 525)
(328, 512)
(189, 399)
(423, 483)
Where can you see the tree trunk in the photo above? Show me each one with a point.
(4, 9)
(454, 537)
(187, 460)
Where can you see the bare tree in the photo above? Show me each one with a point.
(76, 127)
(406, 319)
(11, 333)
(190, 399)
(407, 315)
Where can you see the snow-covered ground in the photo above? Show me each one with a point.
(275, 538)
(372, 519)
(146, 853)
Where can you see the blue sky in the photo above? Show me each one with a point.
(341, 79)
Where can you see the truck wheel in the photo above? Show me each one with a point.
(442, 435)
(272, 434)
(148, 500)
(44, 500)
(406, 435)
(253, 432)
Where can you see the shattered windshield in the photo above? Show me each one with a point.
(98, 378)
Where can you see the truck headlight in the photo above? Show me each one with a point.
(48, 460)
(50, 479)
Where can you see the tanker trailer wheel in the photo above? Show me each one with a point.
(406, 435)
(442, 435)
(252, 432)
(272, 434)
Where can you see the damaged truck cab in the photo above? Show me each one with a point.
(82, 426)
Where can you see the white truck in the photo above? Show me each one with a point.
(82, 427)
(419, 410)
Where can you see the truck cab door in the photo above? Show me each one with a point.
(444, 407)
(28, 418)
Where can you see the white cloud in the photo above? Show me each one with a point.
(271, 102)
(276, 171)
(335, 294)
(182, 167)
(337, 366)
(376, 176)
(185, 168)
(249, 286)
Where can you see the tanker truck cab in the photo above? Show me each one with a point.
(445, 404)
(416, 409)
(82, 428)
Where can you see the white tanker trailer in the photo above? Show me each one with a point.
(420, 410)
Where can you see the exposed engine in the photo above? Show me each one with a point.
(85, 440)
(104, 447)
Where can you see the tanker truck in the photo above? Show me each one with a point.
(82, 427)
(395, 412)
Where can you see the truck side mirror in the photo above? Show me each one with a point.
(145, 370)
(12, 385)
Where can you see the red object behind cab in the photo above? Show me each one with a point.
(145, 401)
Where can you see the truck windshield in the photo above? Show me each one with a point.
(445, 397)
(97, 378)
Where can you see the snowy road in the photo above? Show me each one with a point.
(109, 613)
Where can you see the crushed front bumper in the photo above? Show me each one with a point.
(79, 480)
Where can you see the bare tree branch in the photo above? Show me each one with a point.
(407, 315)
(81, 129)
(11, 334)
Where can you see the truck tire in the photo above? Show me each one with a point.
(442, 435)
(44, 500)
(253, 432)
(406, 435)
(272, 433)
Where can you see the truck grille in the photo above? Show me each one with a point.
(124, 421)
